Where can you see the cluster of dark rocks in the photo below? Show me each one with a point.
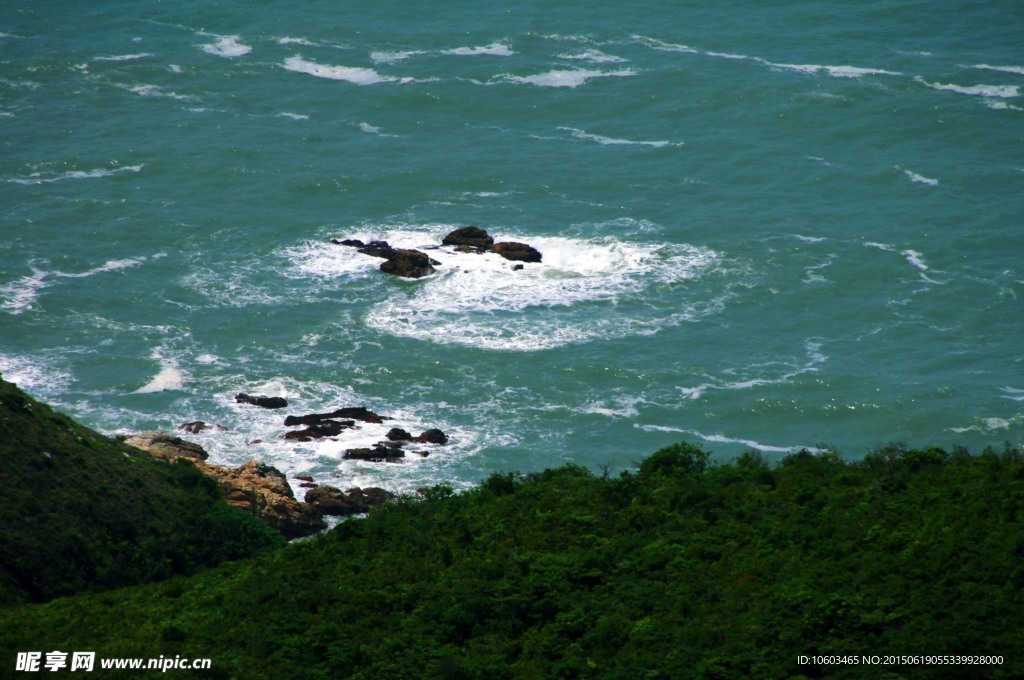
(264, 491)
(416, 264)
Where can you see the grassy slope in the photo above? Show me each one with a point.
(80, 511)
(678, 570)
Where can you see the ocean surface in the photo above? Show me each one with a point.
(763, 227)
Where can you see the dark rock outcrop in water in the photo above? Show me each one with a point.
(520, 252)
(261, 401)
(416, 264)
(470, 237)
(351, 412)
(411, 264)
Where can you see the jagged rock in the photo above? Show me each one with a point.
(320, 430)
(377, 454)
(513, 250)
(164, 445)
(330, 500)
(472, 237)
(432, 436)
(411, 264)
(378, 249)
(197, 426)
(353, 242)
(261, 401)
(397, 434)
(263, 491)
(353, 412)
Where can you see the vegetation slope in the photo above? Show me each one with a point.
(80, 511)
(678, 569)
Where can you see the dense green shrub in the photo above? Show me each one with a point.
(80, 511)
(679, 569)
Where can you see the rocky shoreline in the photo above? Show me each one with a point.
(264, 491)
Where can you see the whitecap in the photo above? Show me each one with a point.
(125, 57)
(33, 376)
(391, 57)
(20, 295)
(496, 49)
(293, 116)
(834, 71)
(227, 46)
(351, 74)
(147, 90)
(600, 139)
(594, 57)
(1012, 393)
(475, 300)
(656, 44)
(305, 42)
(1018, 70)
(920, 179)
(170, 376)
(108, 266)
(997, 91)
(719, 438)
(40, 178)
(566, 78)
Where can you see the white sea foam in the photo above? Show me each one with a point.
(656, 44)
(305, 42)
(170, 376)
(920, 179)
(567, 78)
(496, 49)
(34, 376)
(600, 139)
(478, 300)
(352, 74)
(19, 296)
(594, 57)
(40, 178)
(834, 71)
(763, 374)
(126, 57)
(997, 91)
(719, 438)
(392, 57)
(991, 424)
(1012, 393)
(147, 90)
(1018, 70)
(227, 46)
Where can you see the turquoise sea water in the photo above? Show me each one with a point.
(762, 227)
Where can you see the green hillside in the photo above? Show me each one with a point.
(678, 569)
(80, 511)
